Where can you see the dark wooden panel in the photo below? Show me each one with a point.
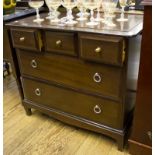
(142, 124)
(74, 103)
(26, 39)
(6, 46)
(139, 148)
(60, 42)
(73, 73)
(99, 48)
(134, 47)
(144, 93)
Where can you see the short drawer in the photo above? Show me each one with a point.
(106, 81)
(60, 42)
(26, 39)
(104, 49)
(92, 108)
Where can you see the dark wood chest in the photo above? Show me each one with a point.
(77, 75)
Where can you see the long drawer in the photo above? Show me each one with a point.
(92, 108)
(73, 73)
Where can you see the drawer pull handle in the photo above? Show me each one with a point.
(97, 78)
(58, 42)
(22, 39)
(98, 50)
(97, 109)
(34, 64)
(149, 133)
(38, 92)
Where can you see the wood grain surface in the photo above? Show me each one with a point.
(67, 71)
(127, 29)
(41, 134)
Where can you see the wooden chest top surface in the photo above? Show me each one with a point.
(127, 29)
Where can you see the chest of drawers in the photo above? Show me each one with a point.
(76, 76)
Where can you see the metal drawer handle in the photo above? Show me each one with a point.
(97, 109)
(34, 64)
(98, 50)
(97, 78)
(21, 39)
(38, 92)
(149, 133)
(58, 42)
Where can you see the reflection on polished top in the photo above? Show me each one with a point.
(130, 28)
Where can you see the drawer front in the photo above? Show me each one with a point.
(60, 42)
(89, 107)
(106, 49)
(26, 39)
(71, 72)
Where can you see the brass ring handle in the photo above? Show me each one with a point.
(98, 50)
(149, 133)
(22, 39)
(38, 92)
(97, 109)
(58, 42)
(34, 63)
(97, 78)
